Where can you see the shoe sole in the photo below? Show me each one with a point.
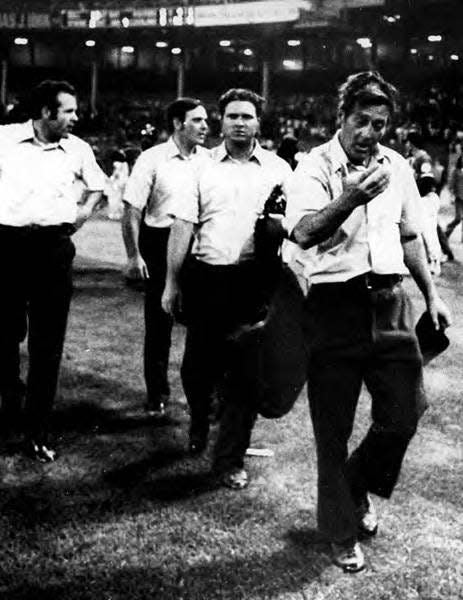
(366, 534)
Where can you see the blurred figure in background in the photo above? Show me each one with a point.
(456, 188)
(116, 183)
(430, 204)
(288, 150)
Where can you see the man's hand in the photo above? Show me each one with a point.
(171, 300)
(83, 214)
(366, 185)
(440, 314)
(136, 269)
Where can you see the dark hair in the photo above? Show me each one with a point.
(287, 150)
(426, 184)
(117, 155)
(46, 95)
(366, 88)
(240, 95)
(178, 110)
(459, 163)
(415, 139)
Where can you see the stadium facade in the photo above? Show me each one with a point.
(194, 47)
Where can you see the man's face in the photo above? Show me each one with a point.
(66, 117)
(240, 123)
(194, 128)
(362, 129)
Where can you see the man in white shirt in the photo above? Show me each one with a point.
(353, 208)
(162, 174)
(224, 286)
(49, 184)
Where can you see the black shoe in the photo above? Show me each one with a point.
(197, 443)
(348, 555)
(39, 451)
(367, 519)
(198, 438)
(157, 408)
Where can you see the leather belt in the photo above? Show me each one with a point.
(369, 281)
(61, 228)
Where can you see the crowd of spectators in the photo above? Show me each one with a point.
(137, 120)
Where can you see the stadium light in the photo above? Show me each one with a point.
(434, 38)
(430, 57)
(389, 19)
(178, 17)
(294, 43)
(21, 41)
(364, 42)
(292, 65)
(128, 49)
(176, 50)
(90, 43)
(454, 57)
(161, 44)
(95, 16)
(413, 51)
(125, 22)
(248, 52)
(225, 43)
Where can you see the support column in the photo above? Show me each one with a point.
(181, 76)
(265, 90)
(94, 87)
(4, 82)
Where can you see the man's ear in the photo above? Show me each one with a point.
(177, 124)
(45, 112)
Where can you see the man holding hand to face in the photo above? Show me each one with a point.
(353, 211)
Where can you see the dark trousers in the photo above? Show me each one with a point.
(158, 324)
(219, 299)
(37, 287)
(357, 335)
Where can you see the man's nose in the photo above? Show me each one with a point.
(368, 131)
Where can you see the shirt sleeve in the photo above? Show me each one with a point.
(307, 191)
(92, 175)
(140, 182)
(411, 220)
(186, 206)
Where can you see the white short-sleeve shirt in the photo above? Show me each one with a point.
(370, 238)
(162, 175)
(229, 197)
(41, 184)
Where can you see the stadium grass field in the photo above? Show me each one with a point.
(127, 514)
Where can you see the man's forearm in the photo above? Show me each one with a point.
(318, 226)
(92, 199)
(131, 219)
(177, 248)
(416, 263)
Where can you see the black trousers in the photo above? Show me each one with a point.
(220, 299)
(35, 266)
(359, 335)
(158, 324)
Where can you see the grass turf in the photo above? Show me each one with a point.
(125, 513)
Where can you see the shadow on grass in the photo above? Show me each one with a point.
(88, 417)
(209, 578)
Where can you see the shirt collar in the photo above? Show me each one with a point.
(340, 158)
(27, 133)
(256, 155)
(173, 150)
